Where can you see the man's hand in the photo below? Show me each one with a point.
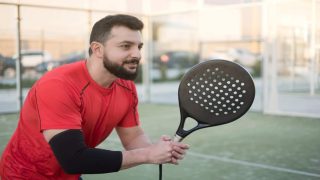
(178, 150)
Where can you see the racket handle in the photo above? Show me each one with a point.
(177, 138)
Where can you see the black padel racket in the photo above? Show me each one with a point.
(213, 93)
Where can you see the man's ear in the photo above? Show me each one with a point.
(97, 49)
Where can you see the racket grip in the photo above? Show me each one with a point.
(177, 138)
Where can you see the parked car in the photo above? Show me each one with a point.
(7, 67)
(49, 65)
(240, 55)
(173, 64)
(31, 58)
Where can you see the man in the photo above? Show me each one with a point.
(73, 108)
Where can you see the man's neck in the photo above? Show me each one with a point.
(99, 73)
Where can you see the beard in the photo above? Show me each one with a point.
(119, 70)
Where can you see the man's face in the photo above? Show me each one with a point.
(122, 52)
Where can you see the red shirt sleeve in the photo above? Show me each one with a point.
(131, 119)
(58, 106)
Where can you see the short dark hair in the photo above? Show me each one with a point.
(102, 28)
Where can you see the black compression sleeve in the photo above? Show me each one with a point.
(76, 158)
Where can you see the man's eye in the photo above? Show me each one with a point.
(125, 46)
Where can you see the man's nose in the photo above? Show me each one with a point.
(136, 53)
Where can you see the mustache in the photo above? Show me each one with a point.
(132, 61)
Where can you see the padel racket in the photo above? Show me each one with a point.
(213, 93)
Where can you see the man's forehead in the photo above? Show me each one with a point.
(121, 33)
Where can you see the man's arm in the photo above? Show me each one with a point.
(134, 137)
(76, 158)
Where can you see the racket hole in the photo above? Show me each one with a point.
(214, 99)
(196, 102)
(211, 84)
(203, 93)
(216, 87)
(202, 85)
(234, 112)
(201, 105)
(228, 101)
(232, 104)
(219, 83)
(241, 103)
(217, 114)
(189, 124)
(238, 107)
(239, 88)
(208, 70)
(232, 78)
(200, 97)
(201, 79)
(225, 112)
(222, 98)
(210, 104)
(237, 81)
(244, 91)
(235, 92)
(209, 96)
(217, 95)
(206, 82)
(193, 87)
(228, 82)
(197, 83)
(242, 84)
(220, 110)
(198, 90)
(229, 108)
(221, 90)
(191, 99)
(223, 105)
(231, 97)
(217, 69)
(206, 108)
(190, 91)
(236, 100)
(207, 89)
(229, 89)
(214, 80)
(223, 79)
(219, 102)
(224, 86)
(188, 84)
(215, 107)
(194, 94)
(211, 111)
(227, 75)
(240, 95)
(233, 85)
(226, 94)
(205, 100)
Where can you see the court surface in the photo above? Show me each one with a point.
(255, 147)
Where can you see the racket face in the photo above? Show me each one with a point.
(216, 92)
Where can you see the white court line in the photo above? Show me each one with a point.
(245, 163)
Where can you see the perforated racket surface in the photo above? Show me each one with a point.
(214, 92)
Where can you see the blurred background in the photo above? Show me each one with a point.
(277, 41)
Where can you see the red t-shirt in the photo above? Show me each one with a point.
(65, 98)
